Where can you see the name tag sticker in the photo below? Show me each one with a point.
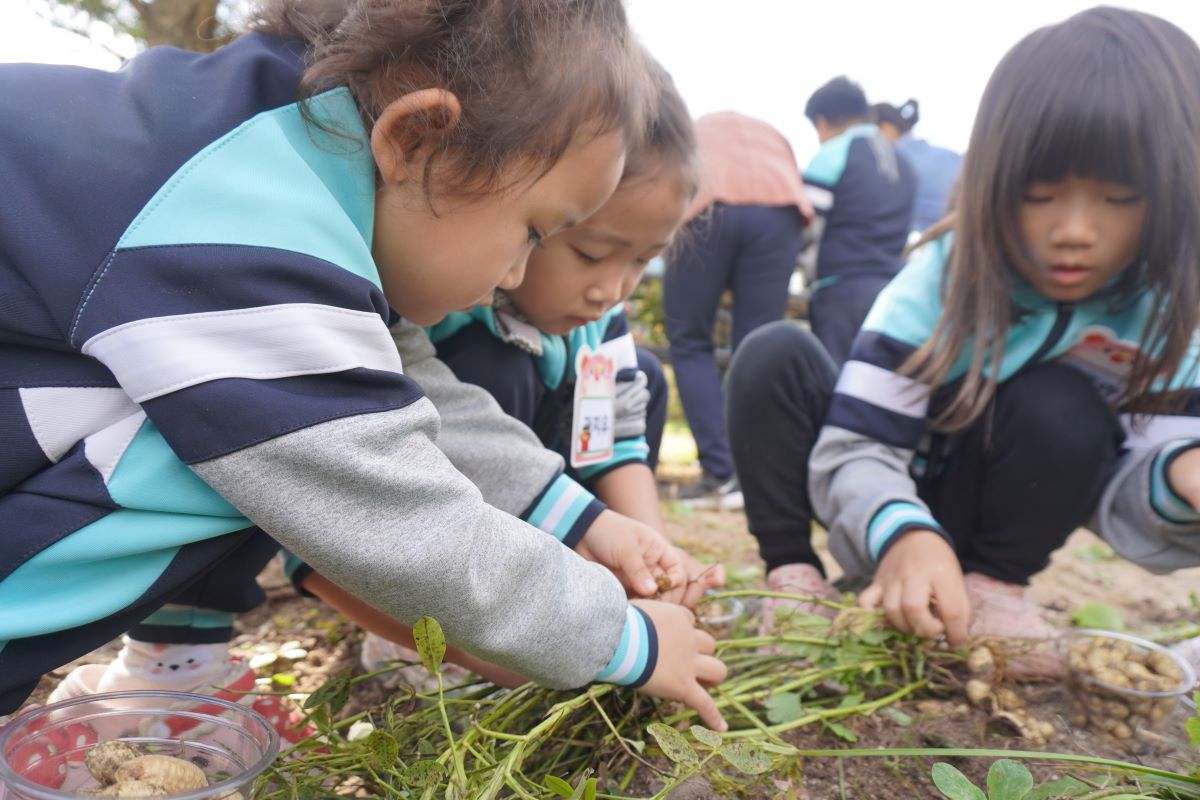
(595, 399)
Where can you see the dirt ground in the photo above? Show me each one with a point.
(1079, 574)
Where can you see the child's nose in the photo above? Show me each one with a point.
(512, 279)
(1077, 225)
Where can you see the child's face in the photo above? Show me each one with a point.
(578, 275)
(433, 263)
(1082, 233)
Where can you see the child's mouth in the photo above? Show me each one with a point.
(1069, 274)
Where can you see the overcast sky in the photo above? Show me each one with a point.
(765, 57)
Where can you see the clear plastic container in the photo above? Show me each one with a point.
(1110, 692)
(719, 616)
(42, 752)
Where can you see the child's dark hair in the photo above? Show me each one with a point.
(530, 75)
(841, 100)
(902, 118)
(1108, 94)
(669, 144)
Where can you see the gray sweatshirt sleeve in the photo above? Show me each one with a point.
(372, 503)
(502, 457)
(1141, 519)
(863, 494)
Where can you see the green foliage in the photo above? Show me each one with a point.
(1193, 724)
(1098, 615)
(431, 643)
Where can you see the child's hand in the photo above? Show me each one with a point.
(918, 571)
(635, 553)
(700, 578)
(686, 665)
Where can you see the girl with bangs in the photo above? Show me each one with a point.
(1031, 370)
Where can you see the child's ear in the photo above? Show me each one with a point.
(408, 128)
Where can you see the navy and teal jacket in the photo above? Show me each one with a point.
(863, 195)
(194, 340)
(860, 472)
(554, 360)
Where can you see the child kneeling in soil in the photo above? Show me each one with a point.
(197, 376)
(1033, 369)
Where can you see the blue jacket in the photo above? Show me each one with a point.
(554, 358)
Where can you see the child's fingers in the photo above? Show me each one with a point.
(637, 574)
(954, 607)
(893, 607)
(714, 576)
(710, 671)
(695, 590)
(699, 699)
(915, 606)
(871, 597)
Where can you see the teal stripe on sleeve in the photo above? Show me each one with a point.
(1167, 504)
(894, 519)
(560, 506)
(636, 654)
(625, 451)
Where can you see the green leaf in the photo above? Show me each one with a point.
(783, 708)
(953, 784)
(1192, 726)
(673, 745)
(842, 732)
(586, 790)
(897, 716)
(745, 758)
(705, 736)
(1008, 780)
(383, 747)
(1098, 615)
(1095, 552)
(333, 693)
(423, 774)
(1063, 787)
(558, 786)
(431, 643)
(851, 700)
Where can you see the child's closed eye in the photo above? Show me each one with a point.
(587, 259)
(535, 237)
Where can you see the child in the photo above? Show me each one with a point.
(936, 168)
(1057, 327)
(523, 349)
(220, 300)
(863, 195)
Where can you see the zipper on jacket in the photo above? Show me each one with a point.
(1065, 310)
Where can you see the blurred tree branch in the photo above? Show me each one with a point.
(200, 25)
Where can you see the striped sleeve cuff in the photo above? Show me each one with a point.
(1167, 504)
(637, 654)
(894, 519)
(565, 510)
(625, 451)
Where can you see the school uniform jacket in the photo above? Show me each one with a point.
(193, 340)
(554, 360)
(860, 469)
(863, 195)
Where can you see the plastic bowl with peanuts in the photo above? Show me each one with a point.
(1123, 682)
(136, 744)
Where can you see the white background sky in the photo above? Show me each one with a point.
(765, 57)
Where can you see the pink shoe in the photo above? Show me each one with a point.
(1004, 611)
(799, 579)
